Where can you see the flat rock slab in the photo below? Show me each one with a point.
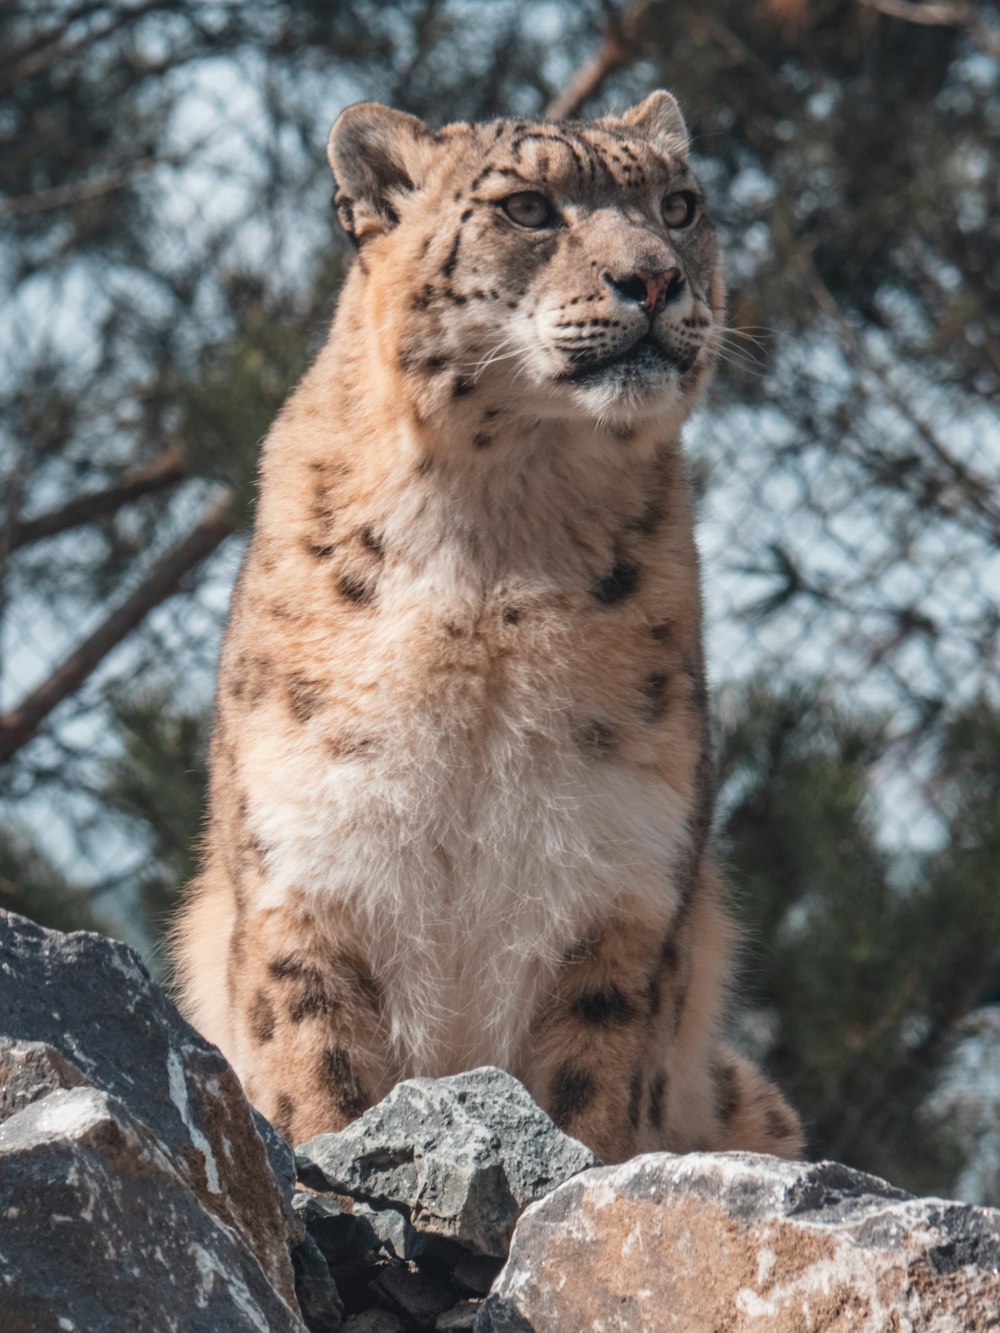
(100, 1231)
(80, 1009)
(734, 1243)
(461, 1157)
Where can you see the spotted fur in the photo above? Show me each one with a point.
(461, 783)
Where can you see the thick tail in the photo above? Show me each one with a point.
(750, 1113)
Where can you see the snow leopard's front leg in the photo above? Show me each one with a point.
(624, 1051)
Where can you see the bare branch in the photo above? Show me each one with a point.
(976, 490)
(929, 15)
(59, 196)
(167, 469)
(957, 15)
(615, 52)
(16, 482)
(56, 48)
(18, 726)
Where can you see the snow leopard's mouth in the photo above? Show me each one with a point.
(644, 358)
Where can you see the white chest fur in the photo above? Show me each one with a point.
(470, 850)
(471, 838)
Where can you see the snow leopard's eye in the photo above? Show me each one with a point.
(528, 209)
(679, 209)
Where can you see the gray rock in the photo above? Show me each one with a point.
(90, 1001)
(476, 1273)
(461, 1157)
(30, 1070)
(414, 1295)
(740, 1242)
(101, 1231)
(316, 1292)
(393, 1233)
(460, 1318)
(333, 1227)
(373, 1321)
(346, 1227)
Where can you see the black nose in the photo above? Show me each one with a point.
(633, 288)
(647, 288)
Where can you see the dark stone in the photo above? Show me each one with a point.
(109, 1233)
(107, 1027)
(315, 1289)
(339, 1232)
(461, 1318)
(413, 1294)
(476, 1273)
(461, 1157)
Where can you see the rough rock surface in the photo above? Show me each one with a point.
(461, 1157)
(96, 1065)
(731, 1242)
(138, 1190)
(383, 1288)
(100, 1230)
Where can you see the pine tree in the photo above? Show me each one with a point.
(863, 958)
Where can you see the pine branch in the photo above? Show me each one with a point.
(18, 726)
(167, 469)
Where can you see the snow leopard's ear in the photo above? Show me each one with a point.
(657, 118)
(378, 156)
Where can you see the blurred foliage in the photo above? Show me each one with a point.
(866, 968)
(169, 264)
(32, 885)
(228, 408)
(873, 139)
(156, 787)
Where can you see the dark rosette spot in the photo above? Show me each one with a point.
(286, 967)
(608, 1007)
(657, 1090)
(262, 1018)
(284, 1116)
(339, 1075)
(304, 697)
(315, 997)
(653, 696)
(634, 1098)
(372, 542)
(573, 1090)
(584, 948)
(355, 589)
(620, 582)
(727, 1090)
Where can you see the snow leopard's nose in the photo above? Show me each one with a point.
(648, 287)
